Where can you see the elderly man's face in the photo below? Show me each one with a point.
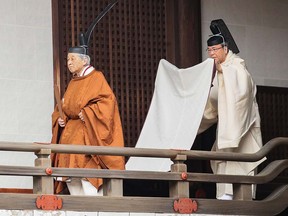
(75, 63)
(217, 52)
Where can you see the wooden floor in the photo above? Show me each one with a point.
(74, 213)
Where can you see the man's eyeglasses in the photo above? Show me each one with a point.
(209, 50)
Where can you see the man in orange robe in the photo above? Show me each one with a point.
(91, 118)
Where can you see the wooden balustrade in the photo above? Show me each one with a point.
(178, 178)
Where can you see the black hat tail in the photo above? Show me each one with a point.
(219, 27)
(85, 38)
(214, 29)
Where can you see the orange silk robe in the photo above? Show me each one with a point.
(93, 96)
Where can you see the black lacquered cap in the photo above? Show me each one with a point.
(215, 40)
(79, 49)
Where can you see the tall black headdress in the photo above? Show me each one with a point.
(221, 34)
(84, 38)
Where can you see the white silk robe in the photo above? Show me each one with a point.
(232, 103)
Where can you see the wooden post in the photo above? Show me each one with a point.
(179, 189)
(113, 187)
(183, 35)
(43, 184)
(242, 191)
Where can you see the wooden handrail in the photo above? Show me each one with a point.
(268, 174)
(143, 152)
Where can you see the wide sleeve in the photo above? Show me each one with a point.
(235, 105)
(102, 117)
(209, 117)
(99, 119)
(56, 131)
(103, 124)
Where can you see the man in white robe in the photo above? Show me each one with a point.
(232, 104)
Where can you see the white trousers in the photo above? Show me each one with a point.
(225, 190)
(79, 186)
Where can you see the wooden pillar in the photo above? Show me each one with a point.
(242, 191)
(43, 184)
(183, 32)
(113, 187)
(56, 44)
(179, 189)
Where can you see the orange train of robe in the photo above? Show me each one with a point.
(93, 96)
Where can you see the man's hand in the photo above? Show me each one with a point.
(61, 122)
(81, 116)
(218, 66)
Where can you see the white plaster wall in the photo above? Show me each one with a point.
(260, 29)
(26, 80)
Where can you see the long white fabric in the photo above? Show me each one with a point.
(175, 113)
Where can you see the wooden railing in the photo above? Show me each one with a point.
(113, 200)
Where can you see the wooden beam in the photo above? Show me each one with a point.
(43, 184)
(270, 206)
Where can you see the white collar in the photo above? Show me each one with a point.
(86, 70)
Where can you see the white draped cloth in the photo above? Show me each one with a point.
(175, 113)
